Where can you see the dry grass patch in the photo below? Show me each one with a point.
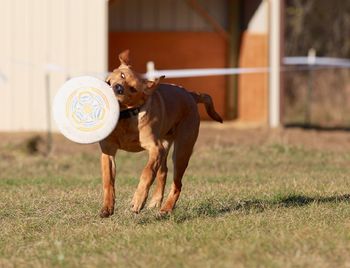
(271, 203)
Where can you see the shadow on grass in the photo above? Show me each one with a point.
(317, 127)
(218, 207)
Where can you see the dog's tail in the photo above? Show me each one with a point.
(209, 105)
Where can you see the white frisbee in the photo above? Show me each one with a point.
(85, 109)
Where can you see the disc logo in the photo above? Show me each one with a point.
(86, 109)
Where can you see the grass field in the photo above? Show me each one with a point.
(251, 198)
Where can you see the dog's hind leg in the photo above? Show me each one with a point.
(186, 136)
(158, 193)
(156, 156)
(108, 178)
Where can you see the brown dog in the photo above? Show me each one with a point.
(153, 117)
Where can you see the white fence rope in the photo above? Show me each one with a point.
(204, 72)
(306, 62)
(318, 61)
(302, 63)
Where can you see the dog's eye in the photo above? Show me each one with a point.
(122, 75)
(133, 90)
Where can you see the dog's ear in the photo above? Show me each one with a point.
(124, 57)
(151, 86)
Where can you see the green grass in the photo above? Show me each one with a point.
(242, 205)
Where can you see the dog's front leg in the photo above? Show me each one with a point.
(108, 180)
(156, 155)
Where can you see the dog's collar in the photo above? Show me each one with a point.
(129, 113)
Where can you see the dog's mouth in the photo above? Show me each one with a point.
(126, 95)
(120, 90)
(133, 90)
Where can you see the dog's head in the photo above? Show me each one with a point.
(129, 87)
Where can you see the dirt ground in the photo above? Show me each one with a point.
(227, 134)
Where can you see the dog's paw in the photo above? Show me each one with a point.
(136, 208)
(154, 203)
(138, 205)
(138, 202)
(166, 210)
(106, 212)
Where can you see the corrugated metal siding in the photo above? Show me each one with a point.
(164, 15)
(71, 35)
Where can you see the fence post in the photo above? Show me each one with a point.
(48, 114)
(150, 70)
(275, 32)
(311, 59)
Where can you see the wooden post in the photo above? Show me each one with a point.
(48, 114)
(282, 39)
(275, 64)
(234, 29)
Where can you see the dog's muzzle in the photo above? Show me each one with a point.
(118, 89)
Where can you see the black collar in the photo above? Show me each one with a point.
(129, 112)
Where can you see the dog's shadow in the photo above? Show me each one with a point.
(214, 207)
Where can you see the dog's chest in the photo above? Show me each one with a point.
(127, 136)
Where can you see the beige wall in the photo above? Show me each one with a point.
(68, 35)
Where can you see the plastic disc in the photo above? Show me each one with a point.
(85, 109)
